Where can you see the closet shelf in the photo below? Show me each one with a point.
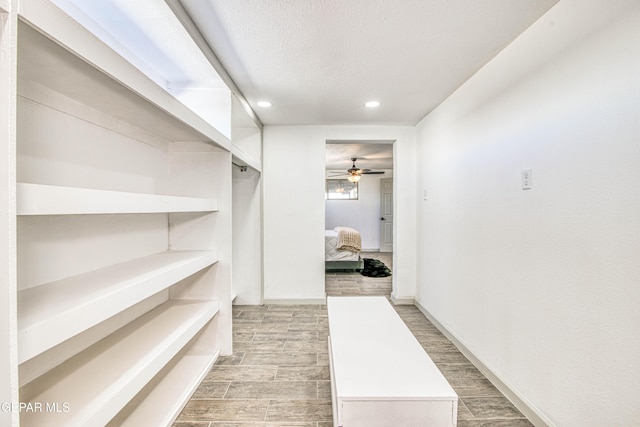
(163, 404)
(54, 312)
(89, 71)
(38, 199)
(98, 382)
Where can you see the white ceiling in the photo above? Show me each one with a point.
(370, 155)
(319, 61)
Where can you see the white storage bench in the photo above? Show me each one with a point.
(380, 374)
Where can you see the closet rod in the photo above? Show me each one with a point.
(243, 168)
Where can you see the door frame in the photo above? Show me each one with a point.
(386, 248)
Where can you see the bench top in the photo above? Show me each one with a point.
(375, 356)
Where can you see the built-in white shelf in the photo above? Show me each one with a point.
(127, 342)
(38, 199)
(89, 71)
(5, 5)
(97, 383)
(51, 313)
(163, 404)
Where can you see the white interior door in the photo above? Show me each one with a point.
(386, 215)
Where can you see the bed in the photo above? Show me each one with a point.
(342, 249)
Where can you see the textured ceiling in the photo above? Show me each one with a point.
(369, 154)
(319, 61)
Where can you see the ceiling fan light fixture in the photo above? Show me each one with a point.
(372, 104)
(354, 178)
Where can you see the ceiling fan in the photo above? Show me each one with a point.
(355, 173)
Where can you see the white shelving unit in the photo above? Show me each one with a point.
(246, 135)
(38, 199)
(8, 350)
(5, 5)
(49, 313)
(118, 366)
(91, 73)
(176, 385)
(118, 267)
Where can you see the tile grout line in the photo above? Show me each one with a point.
(227, 390)
(266, 412)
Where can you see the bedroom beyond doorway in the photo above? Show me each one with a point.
(358, 198)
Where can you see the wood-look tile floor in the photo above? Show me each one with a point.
(355, 284)
(279, 372)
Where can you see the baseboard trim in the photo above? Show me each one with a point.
(520, 402)
(293, 301)
(402, 300)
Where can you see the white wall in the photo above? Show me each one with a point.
(542, 285)
(362, 214)
(294, 208)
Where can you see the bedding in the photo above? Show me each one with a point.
(332, 253)
(348, 239)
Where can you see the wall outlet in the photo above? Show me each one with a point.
(526, 179)
(424, 194)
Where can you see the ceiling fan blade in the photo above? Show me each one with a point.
(373, 173)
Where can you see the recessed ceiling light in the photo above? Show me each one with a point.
(372, 104)
(264, 104)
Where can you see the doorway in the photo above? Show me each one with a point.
(366, 199)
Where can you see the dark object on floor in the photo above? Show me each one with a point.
(375, 268)
(343, 265)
